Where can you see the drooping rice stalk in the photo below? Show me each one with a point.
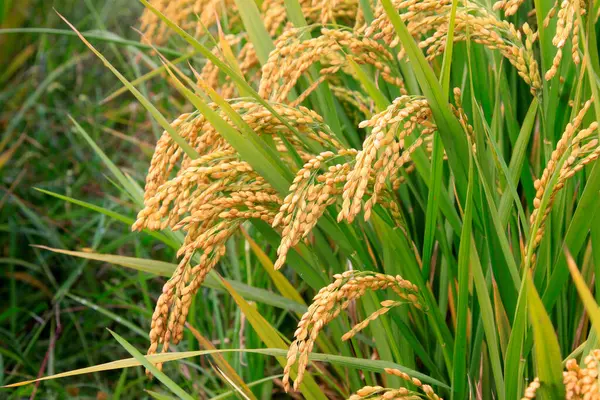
(567, 25)
(330, 302)
(575, 149)
(293, 56)
(384, 151)
(378, 392)
(427, 22)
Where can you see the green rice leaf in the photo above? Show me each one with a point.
(547, 357)
(168, 382)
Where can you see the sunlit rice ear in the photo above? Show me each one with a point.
(293, 56)
(575, 149)
(427, 21)
(567, 25)
(384, 151)
(329, 303)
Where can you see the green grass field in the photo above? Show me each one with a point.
(57, 308)
(182, 178)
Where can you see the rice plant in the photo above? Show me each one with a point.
(416, 180)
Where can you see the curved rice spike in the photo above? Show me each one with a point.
(329, 303)
(575, 149)
(378, 392)
(567, 25)
(293, 56)
(384, 151)
(427, 21)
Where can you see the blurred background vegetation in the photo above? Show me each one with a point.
(55, 308)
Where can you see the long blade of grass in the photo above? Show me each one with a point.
(99, 36)
(350, 362)
(112, 214)
(132, 190)
(166, 269)
(459, 374)
(168, 382)
(256, 29)
(587, 298)
(518, 158)
(155, 72)
(547, 351)
(487, 318)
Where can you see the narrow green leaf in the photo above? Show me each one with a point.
(147, 76)
(294, 13)
(112, 214)
(547, 358)
(166, 269)
(447, 61)
(586, 296)
(132, 190)
(517, 159)
(95, 35)
(514, 362)
(433, 202)
(158, 396)
(487, 319)
(350, 362)
(256, 29)
(168, 382)
(459, 374)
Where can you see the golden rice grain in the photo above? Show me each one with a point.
(510, 7)
(427, 21)
(384, 151)
(581, 383)
(531, 389)
(574, 150)
(293, 56)
(309, 195)
(386, 306)
(567, 25)
(427, 390)
(329, 303)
